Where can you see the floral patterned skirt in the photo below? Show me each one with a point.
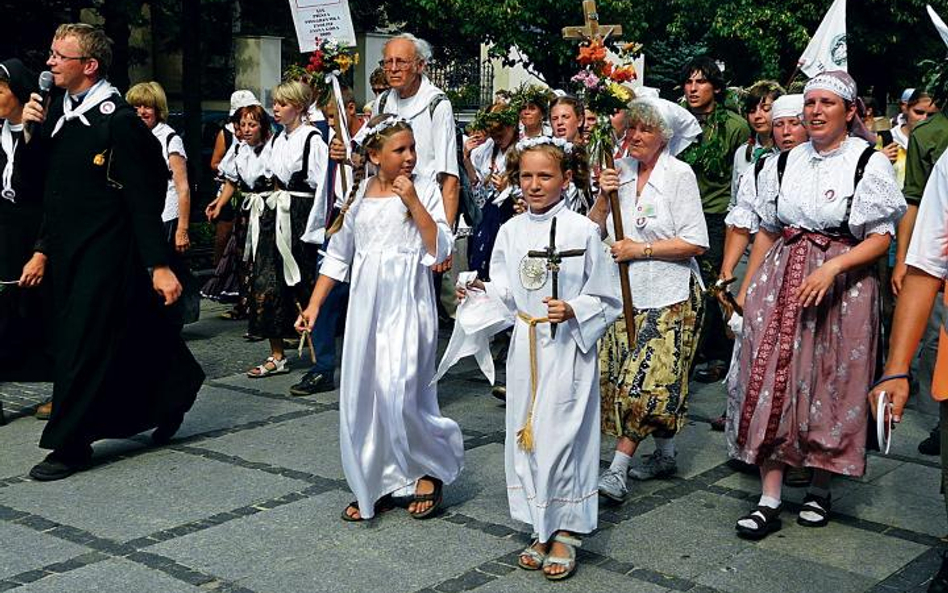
(645, 390)
(800, 396)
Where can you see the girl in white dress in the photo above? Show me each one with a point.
(392, 230)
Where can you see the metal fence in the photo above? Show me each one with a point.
(468, 84)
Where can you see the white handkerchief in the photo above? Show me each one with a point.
(479, 316)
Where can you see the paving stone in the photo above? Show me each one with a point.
(762, 571)
(917, 479)
(241, 408)
(306, 547)
(471, 405)
(588, 579)
(481, 490)
(309, 444)
(20, 448)
(111, 576)
(154, 491)
(862, 552)
(896, 507)
(24, 549)
(662, 541)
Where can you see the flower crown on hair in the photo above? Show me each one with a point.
(368, 132)
(528, 143)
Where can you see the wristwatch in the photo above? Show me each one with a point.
(648, 250)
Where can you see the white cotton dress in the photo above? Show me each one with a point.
(555, 487)
(391, 431)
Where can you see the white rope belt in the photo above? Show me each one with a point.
(280, 201)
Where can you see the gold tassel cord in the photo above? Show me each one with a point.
(525, 434)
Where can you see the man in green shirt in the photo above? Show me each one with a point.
(712, 159)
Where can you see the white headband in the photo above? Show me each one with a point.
(526, 143)
(837, 82)
(367, 131)
(787, 106)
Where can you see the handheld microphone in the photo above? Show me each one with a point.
(45, 87)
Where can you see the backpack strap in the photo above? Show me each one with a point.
(758, 167)
(861, 165)
(435, 101)
(782, 166)
(383, 100)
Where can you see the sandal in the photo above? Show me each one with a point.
(817, 505)
(381, 505)
(436, 496)
(766, 521)
(272, 366)
(536, 557)
(571, 544)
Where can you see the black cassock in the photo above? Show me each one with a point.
(121, 364)
(23, 326)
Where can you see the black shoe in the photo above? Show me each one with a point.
(166, 430)
(932, 444)
(57, 465)
(711, 373)
(313, 383)
(939, 582)
(500, 392)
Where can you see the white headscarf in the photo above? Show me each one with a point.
(684, 126)
(787, 106)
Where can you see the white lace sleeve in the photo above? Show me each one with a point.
(878, 203)
(765, 202)
(742, 215)
(228, 164)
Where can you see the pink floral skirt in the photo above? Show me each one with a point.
(800, 396)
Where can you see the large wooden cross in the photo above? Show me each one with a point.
(593, 31)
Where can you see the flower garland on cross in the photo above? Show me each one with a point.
(326, 64)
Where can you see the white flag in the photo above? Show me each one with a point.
(827, 48)
(939, 24)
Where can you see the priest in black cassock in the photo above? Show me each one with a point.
(23, 343)
(121, 365)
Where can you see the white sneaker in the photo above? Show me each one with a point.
(612, 485)
(656, 465)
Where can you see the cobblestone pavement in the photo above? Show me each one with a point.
(247, 499)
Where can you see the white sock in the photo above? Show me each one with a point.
(765, 501)
(810, 515)
(621, 462)
(666, 446)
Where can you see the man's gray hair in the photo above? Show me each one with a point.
(422, 47)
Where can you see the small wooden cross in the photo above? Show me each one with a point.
(592, 30)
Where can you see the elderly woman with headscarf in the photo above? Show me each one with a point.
(827, 210)
(22, 253)
(645, 384)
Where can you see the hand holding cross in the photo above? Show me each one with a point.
(553, 260)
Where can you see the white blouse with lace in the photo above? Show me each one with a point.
(815, 189)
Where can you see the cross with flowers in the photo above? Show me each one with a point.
(600, 83)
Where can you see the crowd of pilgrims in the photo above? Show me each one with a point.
(797, 198)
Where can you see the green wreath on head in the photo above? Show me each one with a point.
(525, 94)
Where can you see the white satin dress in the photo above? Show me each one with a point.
(391, 431)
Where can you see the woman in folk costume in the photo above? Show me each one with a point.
(244, 170)
(645, 384)
(389, 234)
(151, 103)
(533, 104)
(286, 225)
(552, 444)
(827, 212)
(486, 165)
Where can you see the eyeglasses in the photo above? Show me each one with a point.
(396, 64)
(58, 57)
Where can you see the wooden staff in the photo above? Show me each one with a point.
(627, 308)
(333, 111)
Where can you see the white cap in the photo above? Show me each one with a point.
(242, 98)
(787, 106)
